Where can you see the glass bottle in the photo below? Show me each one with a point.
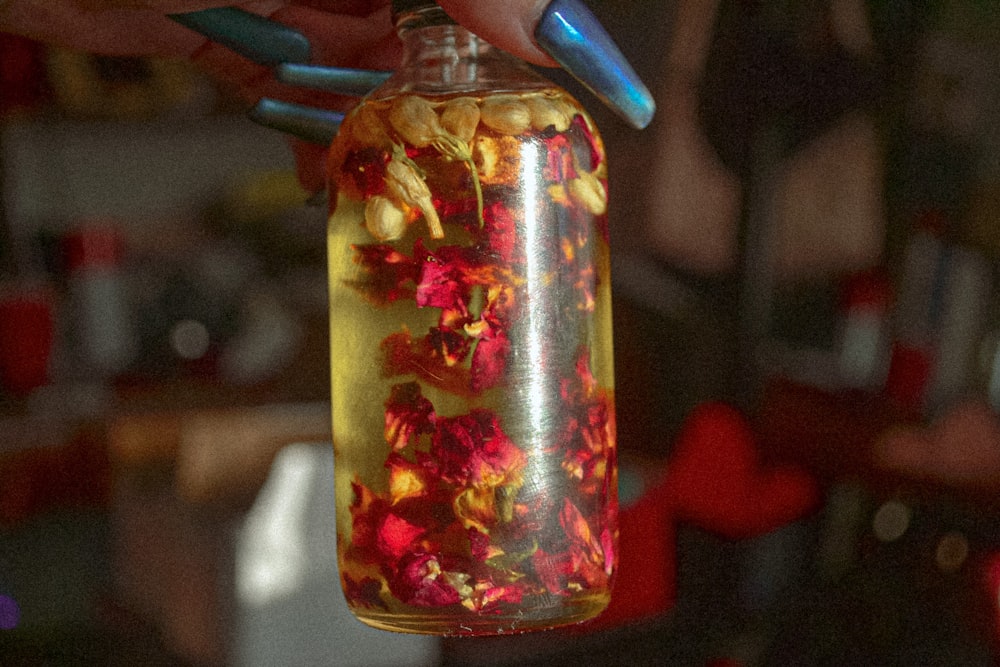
(472, 377)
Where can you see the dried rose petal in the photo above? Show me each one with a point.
(407, 413)
(559, 166)
(575, 525)
(500, 227)
(446, 278)
(419, 581)
(591, 564)
(581, 131)
(406, 479)
(608, 548)
(481, 546)
(488, 595)
(395, 536)
(553, 570)
(365, 170)
(448, 344)
(489, 361)
(473, 450)
(404, 355)
(365, 592)
(386, 273)
(476, 508)
(367, 511)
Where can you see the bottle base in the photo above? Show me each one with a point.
(468, 624)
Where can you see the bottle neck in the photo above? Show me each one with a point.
(441, 56)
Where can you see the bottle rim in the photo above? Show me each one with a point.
(403, 6)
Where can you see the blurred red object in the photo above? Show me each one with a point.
(714, 480)
(717, 481)
(909, 376)
(76, 475)
(26, 339)
(644, 584)
(23, 81)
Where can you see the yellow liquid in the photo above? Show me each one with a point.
(522, 535)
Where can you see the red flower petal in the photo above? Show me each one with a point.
(489, 362)
(365, 592)
(473, 450)
(448, 345)
(407, 414)
(443, 282)
(500, 227)
(580, 131)
(420, 581)
(386, 273)
(396, 536)
(365, 168)
(402, 355)
(479, 545)
(553, 570)
(559, 159)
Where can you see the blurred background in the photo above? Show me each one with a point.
(808, 234)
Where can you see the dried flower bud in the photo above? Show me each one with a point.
(367, 127)
(404, 182)
(546, 112)
(384, 220)
(415, 120)
(460, 117)
(588, 191)
(506, 114)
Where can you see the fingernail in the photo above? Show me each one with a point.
(573, 36)
(342, 80)
(316, 126)
(253, 36)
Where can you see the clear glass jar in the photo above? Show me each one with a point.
(472, 372)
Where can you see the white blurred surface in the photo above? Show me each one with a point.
(290, 610)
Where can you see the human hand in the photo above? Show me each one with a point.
(348, 33)
(341, 33)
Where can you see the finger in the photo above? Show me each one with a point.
(251, 35)
(111, 32)
(507, 25)
(564, 32)
(366, 42)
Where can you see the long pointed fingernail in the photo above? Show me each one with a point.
(316, 126)
(342, 80)
(253, 36)
(570, 33)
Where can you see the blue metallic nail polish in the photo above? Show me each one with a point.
(317, 126)
(258, 38)
(342, 80)
(573, 36)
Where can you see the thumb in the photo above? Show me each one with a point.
(563, 32)
(507, 25)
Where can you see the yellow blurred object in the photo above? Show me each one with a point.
(126, 88)
(262, 195)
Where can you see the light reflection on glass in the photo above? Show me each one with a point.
(536, 265)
